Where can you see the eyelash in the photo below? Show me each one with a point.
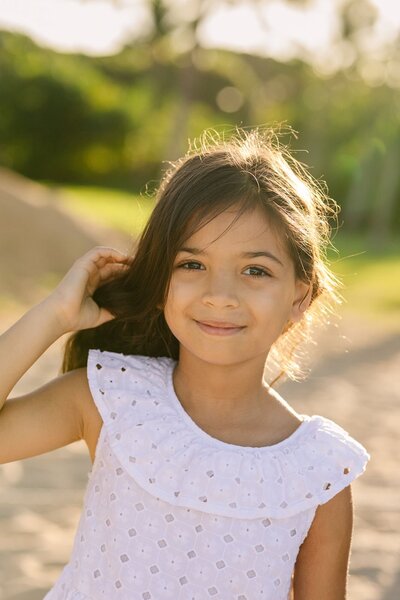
(193, 262)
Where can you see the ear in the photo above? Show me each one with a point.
(301, 301)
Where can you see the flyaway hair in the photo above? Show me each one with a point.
(245, 169)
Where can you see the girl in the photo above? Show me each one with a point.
(205, 483)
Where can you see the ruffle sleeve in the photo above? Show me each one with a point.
(171, 460)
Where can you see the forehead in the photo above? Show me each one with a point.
(253, 230)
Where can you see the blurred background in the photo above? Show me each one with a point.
(95, 98)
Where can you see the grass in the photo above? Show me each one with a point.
(370, 273)
(110, 207)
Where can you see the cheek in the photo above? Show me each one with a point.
(179, 292)
(176, 298)
(274, 303)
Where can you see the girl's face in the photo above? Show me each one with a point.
(224, 281)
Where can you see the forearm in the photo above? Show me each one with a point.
(24, 342)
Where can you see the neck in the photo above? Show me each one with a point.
(229, 394)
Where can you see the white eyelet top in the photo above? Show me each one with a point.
(171, 513)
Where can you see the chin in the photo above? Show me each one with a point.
(217, 357)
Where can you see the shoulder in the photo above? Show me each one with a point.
(324, 460)
(52, 416)
(105, 372)
(87, 411)
(109, 380)
(115, 369)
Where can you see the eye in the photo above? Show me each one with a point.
(193, 265)
(259, 272)
(188, 268)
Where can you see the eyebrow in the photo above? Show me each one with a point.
(243, 255)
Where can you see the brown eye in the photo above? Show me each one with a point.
(259, 273)
(191, 262)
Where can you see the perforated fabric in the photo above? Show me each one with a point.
(173, 513)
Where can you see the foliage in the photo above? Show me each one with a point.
(114, 120)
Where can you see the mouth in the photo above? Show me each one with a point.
(215, 328)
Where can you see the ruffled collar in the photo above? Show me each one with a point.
(170, 366)
(161, 447)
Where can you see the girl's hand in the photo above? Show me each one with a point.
(72, 298)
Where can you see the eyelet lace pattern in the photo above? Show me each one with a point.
(171, 512)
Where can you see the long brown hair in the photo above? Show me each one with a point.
(250, 168)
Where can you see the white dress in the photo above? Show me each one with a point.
(171, 513)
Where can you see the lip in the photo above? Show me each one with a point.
(219, 328)
(221, 324)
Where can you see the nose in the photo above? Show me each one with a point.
(220, 290)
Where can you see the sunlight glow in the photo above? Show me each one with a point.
(95, 27)
(271, 28)
(279, 30)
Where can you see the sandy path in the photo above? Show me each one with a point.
(354, 382)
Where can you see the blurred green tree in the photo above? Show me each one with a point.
(112, 120)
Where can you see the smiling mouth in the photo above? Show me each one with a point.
(220, 329)
(221, 324)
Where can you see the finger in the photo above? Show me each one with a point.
(100, 256)
(112, 260)
(107, 253)
(112, 270)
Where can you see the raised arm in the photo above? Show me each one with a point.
(59, 412)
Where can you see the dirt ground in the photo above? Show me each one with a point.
(354, 381)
